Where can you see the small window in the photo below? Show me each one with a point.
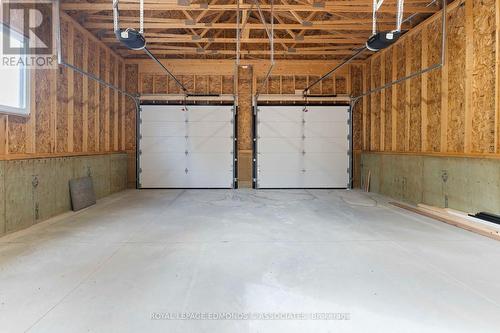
(14, 82)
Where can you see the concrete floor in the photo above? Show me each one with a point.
(136, 254)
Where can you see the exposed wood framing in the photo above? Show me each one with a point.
(85, 86)
(462, 118)
(71, 85)
(394, 101)
(52, 95)
(424, 98)
(497, 80)
(469, 54)
(207, 30)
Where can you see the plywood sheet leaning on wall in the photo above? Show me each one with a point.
(415, 53)
(483, 77)
(434, 88)
(456, 80)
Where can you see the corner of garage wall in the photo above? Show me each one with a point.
(33, 190)
(435, 138)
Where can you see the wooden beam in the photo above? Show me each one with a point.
(394, 103)
(85, 95)
(382, 102)
(124, 103)
(71, 87)
(372, 106)
(31, 124)
(444, 103)
(107, 103)
(329, 26)
(424, 93)
(115, 109)
(4, 134)
(179, 50)
(407, 94)
(189, 40)
(469, 75)
(497, 80)
(98, 106)
(357, 8)
(73, 23)
(456, 221)
(365, 106)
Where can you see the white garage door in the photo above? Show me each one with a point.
(186, 149)
(297, 149)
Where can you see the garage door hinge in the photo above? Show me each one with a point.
(348, 170)
(140, 136)
(140, 121)
(140, 170)
(140, 152)
(348, 136)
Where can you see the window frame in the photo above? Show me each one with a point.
(25, 81)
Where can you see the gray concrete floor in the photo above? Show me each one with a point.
(136, 254)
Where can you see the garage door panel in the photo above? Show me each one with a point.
(196, 153)
(280, 130)
(162, 113)
(284, 114)
(280, 145)
(174, 179)
(279, 161)
(209, 145)
(325, 145)
(209, 129)
(151, 129)
(208, 114)
(325, 129)
(163, 144)
(281, 179)
(318, 179)
(310, 152)
(162, 161)
(325, 161)
(325, 113)
(211, 162)
(298, 145)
